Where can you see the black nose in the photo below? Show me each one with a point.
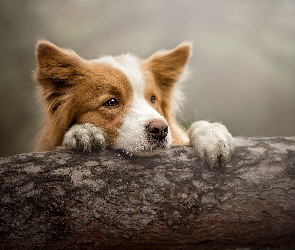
(157, 129)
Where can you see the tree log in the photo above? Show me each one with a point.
(106, 200)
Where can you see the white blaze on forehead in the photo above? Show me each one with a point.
(132, 134)
(128, 64)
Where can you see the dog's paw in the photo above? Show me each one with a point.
(85, 137)
(212, 142)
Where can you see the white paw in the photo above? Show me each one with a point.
(85, 137)
(212, 142)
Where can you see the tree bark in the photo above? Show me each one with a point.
(104, 200)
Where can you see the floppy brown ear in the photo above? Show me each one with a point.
(168, 66)
(56, 67)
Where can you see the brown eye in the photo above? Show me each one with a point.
(112, 102)
(153, 99)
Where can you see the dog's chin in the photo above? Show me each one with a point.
(145, 151)
(152, 148)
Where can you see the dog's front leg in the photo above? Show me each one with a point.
(212, 142)
(85, 137)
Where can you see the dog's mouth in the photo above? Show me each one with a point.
(153, 144)
(149, 148)
(146, 140)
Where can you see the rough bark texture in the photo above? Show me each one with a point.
(75, 200)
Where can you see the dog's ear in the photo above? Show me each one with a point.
(56, 67)
(168, 66)
(57, 71)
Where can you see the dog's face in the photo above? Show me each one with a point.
(131, 99)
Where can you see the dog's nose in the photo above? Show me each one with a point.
(157, 129)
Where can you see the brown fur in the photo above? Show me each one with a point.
(74, 90)
(164, 69)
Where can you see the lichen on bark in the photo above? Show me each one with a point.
(103, 200)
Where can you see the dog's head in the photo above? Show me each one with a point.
(131, 99)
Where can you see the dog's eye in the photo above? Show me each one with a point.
(112, 102)
(153, 99)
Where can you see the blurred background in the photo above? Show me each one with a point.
(243, 64)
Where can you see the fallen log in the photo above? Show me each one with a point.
(105, 200)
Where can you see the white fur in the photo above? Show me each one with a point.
(85, 137)
(132, 137)
(211, 141)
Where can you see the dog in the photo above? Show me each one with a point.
(120, 102)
